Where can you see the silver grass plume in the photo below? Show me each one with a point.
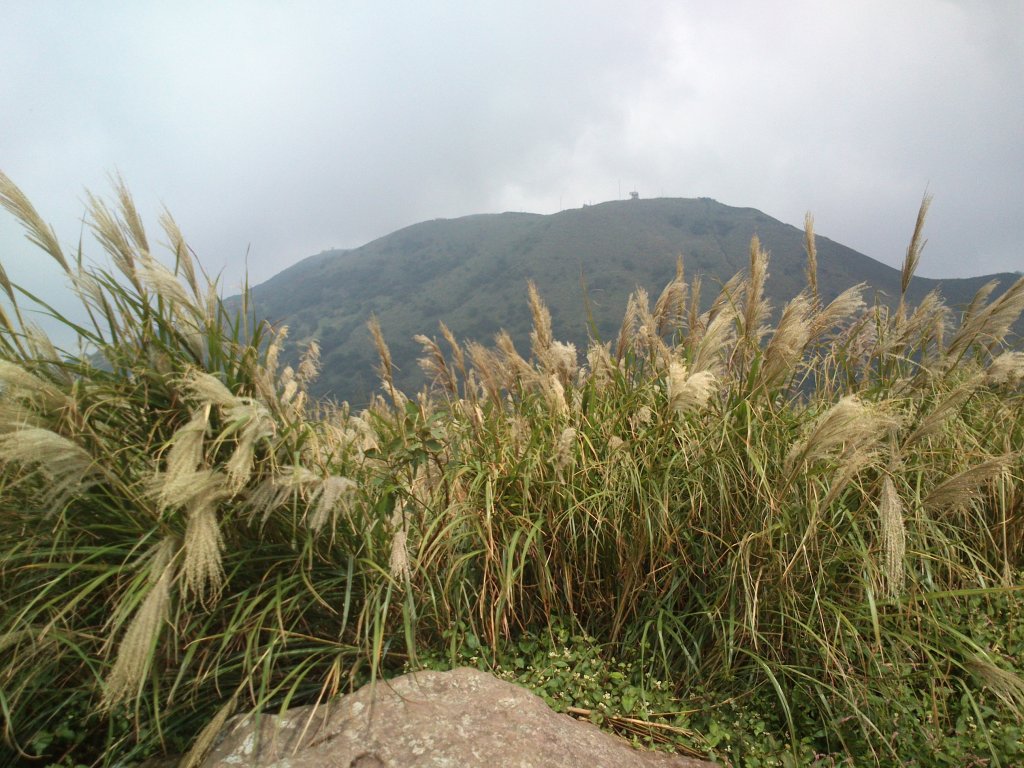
(893, 538)
(630, 320)
(564, 452)
(1007, 368)
(247, 420)
(130, 219)
(457, 355)
(670, 308)
(16, 383)
(202, 573)
(207, 388)
(560, 359)
(988, 325)
(554, 393)
(964, 487)
(183, 262)
(197, 493)
(386, 369)
(42, 349)
(695, 324)
(849, 426)
(333, 493)
(66, 467)
(398, 562)
(487, 366)
(253, 422)
(1006, 685)
(978, 301)
(756, 309)
(309, 365)
(688, 392)
(913, 257)
(266, 378)
(844, 306)
(933, 422)
(209, 735)
(38, 231)
(184, 458)
(135, 652)
(600, 363)
(165, 284)
(812, 258)
(719, 334)
(928, 322)
(434, 365)
(540, 337)
(728, 297)
(786, 347)
(517, 369)
(111, 235)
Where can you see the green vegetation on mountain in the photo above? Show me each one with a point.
(471, 273)
(778, 543)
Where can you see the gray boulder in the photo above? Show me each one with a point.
(460, 718)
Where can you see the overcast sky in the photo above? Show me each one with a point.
(281, 129)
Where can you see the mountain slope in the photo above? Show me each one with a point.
(472, 273)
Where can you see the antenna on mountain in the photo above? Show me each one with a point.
(634, 195)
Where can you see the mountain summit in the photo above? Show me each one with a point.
(472, 272)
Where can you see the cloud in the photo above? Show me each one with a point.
(273, 131)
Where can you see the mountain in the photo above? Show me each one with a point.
(472, 273)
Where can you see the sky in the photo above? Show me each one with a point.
(273, 131)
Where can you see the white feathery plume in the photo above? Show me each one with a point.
(135, 652)
(688, 392)
(894, 538)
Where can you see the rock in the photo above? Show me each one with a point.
(459, 718)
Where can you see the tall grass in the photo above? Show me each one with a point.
(804, 510)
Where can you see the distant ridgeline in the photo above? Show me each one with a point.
(472, 272)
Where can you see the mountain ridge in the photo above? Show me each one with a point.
(471, 272)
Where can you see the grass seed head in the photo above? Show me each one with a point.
(134, 654)
(894, 538)
(202, 573)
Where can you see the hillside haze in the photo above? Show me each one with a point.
(472, 272)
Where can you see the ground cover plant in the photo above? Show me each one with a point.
(787, 545)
